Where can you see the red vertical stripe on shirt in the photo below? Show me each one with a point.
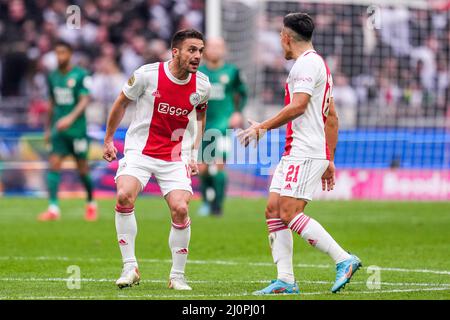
(289, 131)
(170, 114)
(324, 100)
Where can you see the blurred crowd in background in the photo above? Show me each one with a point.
(115, 38)
(388, 63)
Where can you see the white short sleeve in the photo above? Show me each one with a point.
(303, 77)
(135, 85)
(205, 92)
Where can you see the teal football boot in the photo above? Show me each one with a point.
(344, 272)
(279, 287)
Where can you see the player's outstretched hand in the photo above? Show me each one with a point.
(193, 167)
(328, 177)
(109, 151)
(252, 133)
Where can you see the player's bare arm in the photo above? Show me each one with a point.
(294, 110)
(236, 119)
(201, 121)
(115, 116)
(331, 136)
(65, 122)
(48, 124)
(240, 100)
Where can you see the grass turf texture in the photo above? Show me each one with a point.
(229, 257)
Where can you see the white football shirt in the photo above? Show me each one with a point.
(164, 122)
(305, 135)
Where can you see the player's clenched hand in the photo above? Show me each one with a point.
(64, 123)
(328, 177)
(252, 133)
(109, 151)
(193, 167)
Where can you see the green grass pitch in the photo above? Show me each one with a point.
(229, 257)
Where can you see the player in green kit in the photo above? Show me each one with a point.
(228, 98)
(66, 130)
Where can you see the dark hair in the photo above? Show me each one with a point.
(182, 35)
(301, 23)
(62, 43)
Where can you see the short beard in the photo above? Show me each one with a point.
(63, 65)
(288, 56)
(180, 66)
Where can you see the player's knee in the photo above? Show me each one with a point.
(179, 211)
(272, 211)
(286, 214)
(125, 198)
(285, 217)
(54, 165)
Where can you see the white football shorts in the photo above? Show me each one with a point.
(298, 178)
(169, 175)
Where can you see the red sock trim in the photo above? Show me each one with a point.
(274, 225)
(299, 223)
(182, 226)
(124, 210)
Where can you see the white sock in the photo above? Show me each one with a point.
(179, 237)
(54, 209)
(281, 243)
(312, 232)
(126, 228)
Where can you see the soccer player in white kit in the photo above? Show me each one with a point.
(163, 139)
(311, 138)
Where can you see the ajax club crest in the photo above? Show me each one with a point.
(194, 99)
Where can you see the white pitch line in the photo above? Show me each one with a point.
(415, 270)
(371, 291)
(224, 295)
(397, 290)
(400, 284)
(218, 262)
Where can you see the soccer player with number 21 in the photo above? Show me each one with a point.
(311, 138)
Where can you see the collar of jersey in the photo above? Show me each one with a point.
(307, 51)
(172, 77)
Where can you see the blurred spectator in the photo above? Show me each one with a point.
(345, 97)
(159, 20)
(157, 51)
(132, 54)
(395, 29)
(426, 55)
(107, 81)
(14, 58)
